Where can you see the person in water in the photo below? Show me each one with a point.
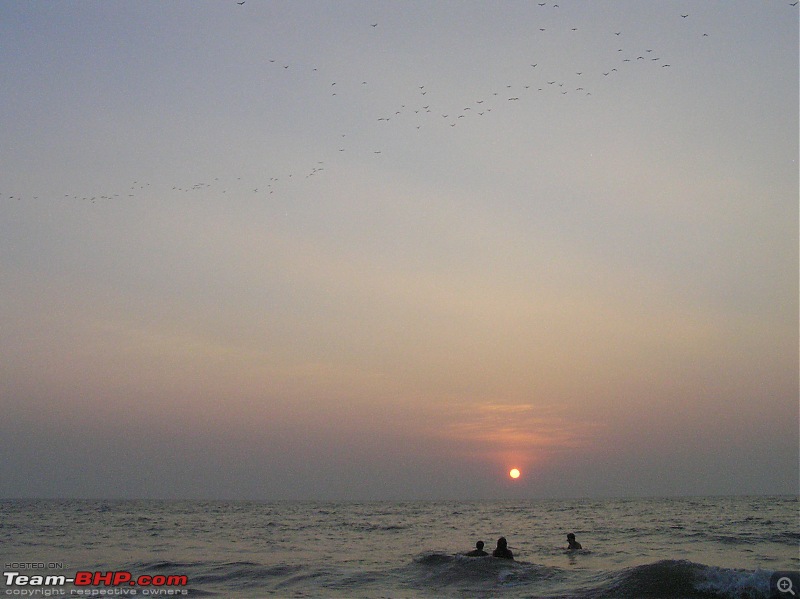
(573, 544)
(502, 549)
(478, 551)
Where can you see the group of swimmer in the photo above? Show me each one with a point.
(504, 552)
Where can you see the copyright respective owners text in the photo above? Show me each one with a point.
(785, 584)
(57, 579)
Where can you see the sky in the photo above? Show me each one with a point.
(390, 250)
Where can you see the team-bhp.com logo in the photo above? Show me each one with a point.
(110, 583)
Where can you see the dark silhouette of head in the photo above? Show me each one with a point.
(571, 536)
(479, 545)
(502, 543)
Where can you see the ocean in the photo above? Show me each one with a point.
(727, 547)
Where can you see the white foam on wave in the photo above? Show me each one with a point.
(734, 583)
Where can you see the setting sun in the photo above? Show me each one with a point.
(514, 473)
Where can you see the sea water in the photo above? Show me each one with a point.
(677, 547)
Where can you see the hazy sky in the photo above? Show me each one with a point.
(392, 249)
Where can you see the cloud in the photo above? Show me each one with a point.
(526, 431)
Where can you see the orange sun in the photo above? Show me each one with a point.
(514, 473)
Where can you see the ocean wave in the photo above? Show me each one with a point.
(682, 579)
(161, 565)
(434, 574)
(245, 574)
(459, 570)
(787, 537)
(373, 527)
(666, 579)
(234, 573)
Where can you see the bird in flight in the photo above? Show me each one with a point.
(240, 3)
(373, 24)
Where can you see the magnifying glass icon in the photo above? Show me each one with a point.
(784, 585)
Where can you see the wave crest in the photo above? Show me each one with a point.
(682, 579)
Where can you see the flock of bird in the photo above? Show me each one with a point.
(425, 106)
